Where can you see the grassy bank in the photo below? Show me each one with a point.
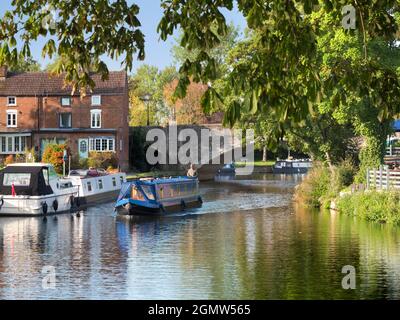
(322, 184)
(382, 207)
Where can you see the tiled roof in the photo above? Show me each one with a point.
(44, 83)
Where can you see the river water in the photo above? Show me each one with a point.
(248, 241)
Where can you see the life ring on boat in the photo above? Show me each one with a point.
(55, 205)
(45, 207)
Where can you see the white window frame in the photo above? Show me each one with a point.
(94, 102)
(12, 104)
(10, 113)
(21, 147)
(99, 141)
(70, 120)
(69, 101)
(94, 113)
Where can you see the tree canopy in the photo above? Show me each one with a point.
(97, 28)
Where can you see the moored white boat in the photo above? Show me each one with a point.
(300, 166)
(30, 189)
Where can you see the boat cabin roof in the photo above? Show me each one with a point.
(166, 180)
(26, 180)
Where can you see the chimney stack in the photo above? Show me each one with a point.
(3, 73)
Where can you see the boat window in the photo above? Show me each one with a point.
(121, 179)
(52, 172)
(136, 194)
(100, 184)
(148, 192)
(114, 182)
(89, 186)
(46, 175)
(17, 179)
(161, 192)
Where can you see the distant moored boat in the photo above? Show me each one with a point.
(292, 166)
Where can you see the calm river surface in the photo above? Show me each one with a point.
(247, 242)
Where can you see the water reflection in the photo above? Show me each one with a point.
(247, 242)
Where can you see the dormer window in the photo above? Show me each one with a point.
(66, 101)
(11, 101)
(96, 100)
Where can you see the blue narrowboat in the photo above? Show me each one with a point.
(158, 196)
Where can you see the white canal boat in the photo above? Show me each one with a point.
(31, 189)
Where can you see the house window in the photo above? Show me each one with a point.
(11, 101)
(101, 144)
(95, 116)
(65, 120)
(11, 118)
(12, 144)
(66, 101)
(96, 100)
(3, 145)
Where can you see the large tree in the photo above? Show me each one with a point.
(149, 80)
(81, 30)
(300, 64)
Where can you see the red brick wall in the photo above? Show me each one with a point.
(115, 110)
(27, 113)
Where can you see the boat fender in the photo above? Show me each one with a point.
(44, 207)
(78, 202)
(72, 202)
(1, 202)
(55, 205)
(200, 199)
(183, 205)
(128, 207)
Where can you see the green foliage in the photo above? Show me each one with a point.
(137, 149)
(323, 184)
(382, 207)
(83, 163)
(315, 186)
(319, 81)
(98, 28)
(102, 160)
(53, 154)
(27, 65)
(149, 80)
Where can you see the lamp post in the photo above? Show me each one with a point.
(146, 99)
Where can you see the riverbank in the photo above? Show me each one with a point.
(334, 189)
(381, 207)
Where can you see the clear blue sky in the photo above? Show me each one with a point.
(158, 52)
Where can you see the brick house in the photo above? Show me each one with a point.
(36, 109)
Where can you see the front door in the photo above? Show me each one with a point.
(83, 148)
